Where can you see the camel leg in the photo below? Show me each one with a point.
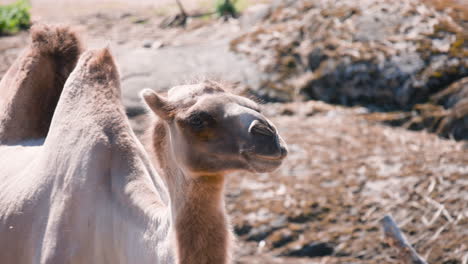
(30, 90)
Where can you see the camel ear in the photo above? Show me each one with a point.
(158, 104)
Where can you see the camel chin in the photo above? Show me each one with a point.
(262, 164)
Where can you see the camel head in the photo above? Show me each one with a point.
(213, 131)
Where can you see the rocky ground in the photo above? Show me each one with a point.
(346, 167)
(386, 55)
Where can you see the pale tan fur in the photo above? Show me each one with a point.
(86, 193)
(80, 188)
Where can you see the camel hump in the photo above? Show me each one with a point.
(101, 67)
(91, 98)
(96, 77)
(31, 88)
(61, 42)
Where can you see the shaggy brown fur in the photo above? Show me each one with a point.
(31, 88)
(201, 225)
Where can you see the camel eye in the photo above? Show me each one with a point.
(201, 120)
(196, 122)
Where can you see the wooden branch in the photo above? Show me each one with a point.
(396, 239)
(181, 8)
(179, 20)
(196, 15)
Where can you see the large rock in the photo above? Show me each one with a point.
(379, 53)
(446, 113)
(454, 122)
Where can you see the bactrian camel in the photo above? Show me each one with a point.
(76, 185)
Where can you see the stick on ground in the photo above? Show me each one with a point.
(396, 239)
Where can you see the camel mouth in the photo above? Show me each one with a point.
(266, 157)
(263, 163)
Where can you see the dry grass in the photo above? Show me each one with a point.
(343, 175)
(457, 8)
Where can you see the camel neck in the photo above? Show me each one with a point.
(200, 222)
(197, 206)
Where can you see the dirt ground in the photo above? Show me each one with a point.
(343, 175)
(344, 171)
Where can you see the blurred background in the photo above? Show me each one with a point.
(370, 95)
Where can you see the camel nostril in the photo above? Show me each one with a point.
(260, 128)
